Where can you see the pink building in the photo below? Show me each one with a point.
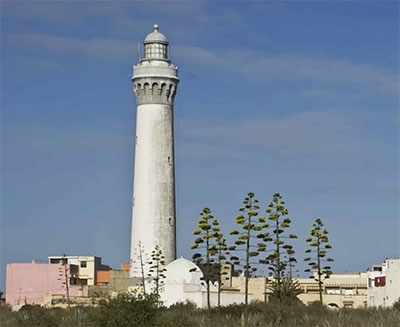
(31, 282)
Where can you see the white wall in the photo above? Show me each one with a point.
(197, 294)
(153, 217)
(386, 295)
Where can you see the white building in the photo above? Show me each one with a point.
(155, 81)
(384, 283)
(183, 283)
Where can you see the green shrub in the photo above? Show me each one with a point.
(180, 314)
(130, 309)
(396, 305)
(126, 309)
(33, 315)
(6, 316)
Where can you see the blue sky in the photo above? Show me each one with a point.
(300, 98)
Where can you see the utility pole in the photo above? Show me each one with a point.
(64, 262)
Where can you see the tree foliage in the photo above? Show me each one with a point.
(282, 256)
(208, 236)
(220, 250)
(157, 270)
(141, 258)
(250, 241)
(318, 248)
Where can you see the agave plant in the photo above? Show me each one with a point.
(286, 290)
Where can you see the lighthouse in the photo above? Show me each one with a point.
(155, 81)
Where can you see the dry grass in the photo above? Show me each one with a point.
(186, 315)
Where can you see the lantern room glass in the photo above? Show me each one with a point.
(155, 51)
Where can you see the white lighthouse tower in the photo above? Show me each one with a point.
(155, 81)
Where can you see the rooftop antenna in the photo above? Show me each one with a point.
(138, 49)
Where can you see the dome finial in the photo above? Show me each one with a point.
(155, 26)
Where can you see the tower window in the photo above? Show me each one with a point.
(155, 51)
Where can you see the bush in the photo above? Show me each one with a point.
(179, 314)
(396, 305)
(126, 309)
(6, 316)
(32, 315)
(138, 310)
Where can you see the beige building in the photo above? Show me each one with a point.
(83, 268)
(347, 290)
(257, 287)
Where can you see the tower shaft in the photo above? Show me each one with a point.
(153, 213)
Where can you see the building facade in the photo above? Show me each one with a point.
(184, 282)
(83, 268)
(31, 283)
(62, 277)
(111, 282)
(155, 81)
(347, 290)
(384, 283)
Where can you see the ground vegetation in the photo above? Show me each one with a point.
(130, 310)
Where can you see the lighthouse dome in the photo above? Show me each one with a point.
(183, 271)
(156, 37)
(156, 46)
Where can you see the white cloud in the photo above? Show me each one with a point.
(28, 65)
(70, 47)
(49, 138)
(118, 42)
(316, 93)
(197, 56)
(60, 13)
(267, 68)
(312, 133)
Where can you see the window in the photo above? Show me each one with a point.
(83, 264)
(333, 290)
(348, 305)
(380, 281)
(156, 51)
(348, 291)
(83, 282)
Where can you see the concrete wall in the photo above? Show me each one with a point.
(197, 294)
(88, 272)
(153, 219)
(31, 282)
(387, 291)
(340, 290)
(118, 283)
(87, 266)
(257, 287)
